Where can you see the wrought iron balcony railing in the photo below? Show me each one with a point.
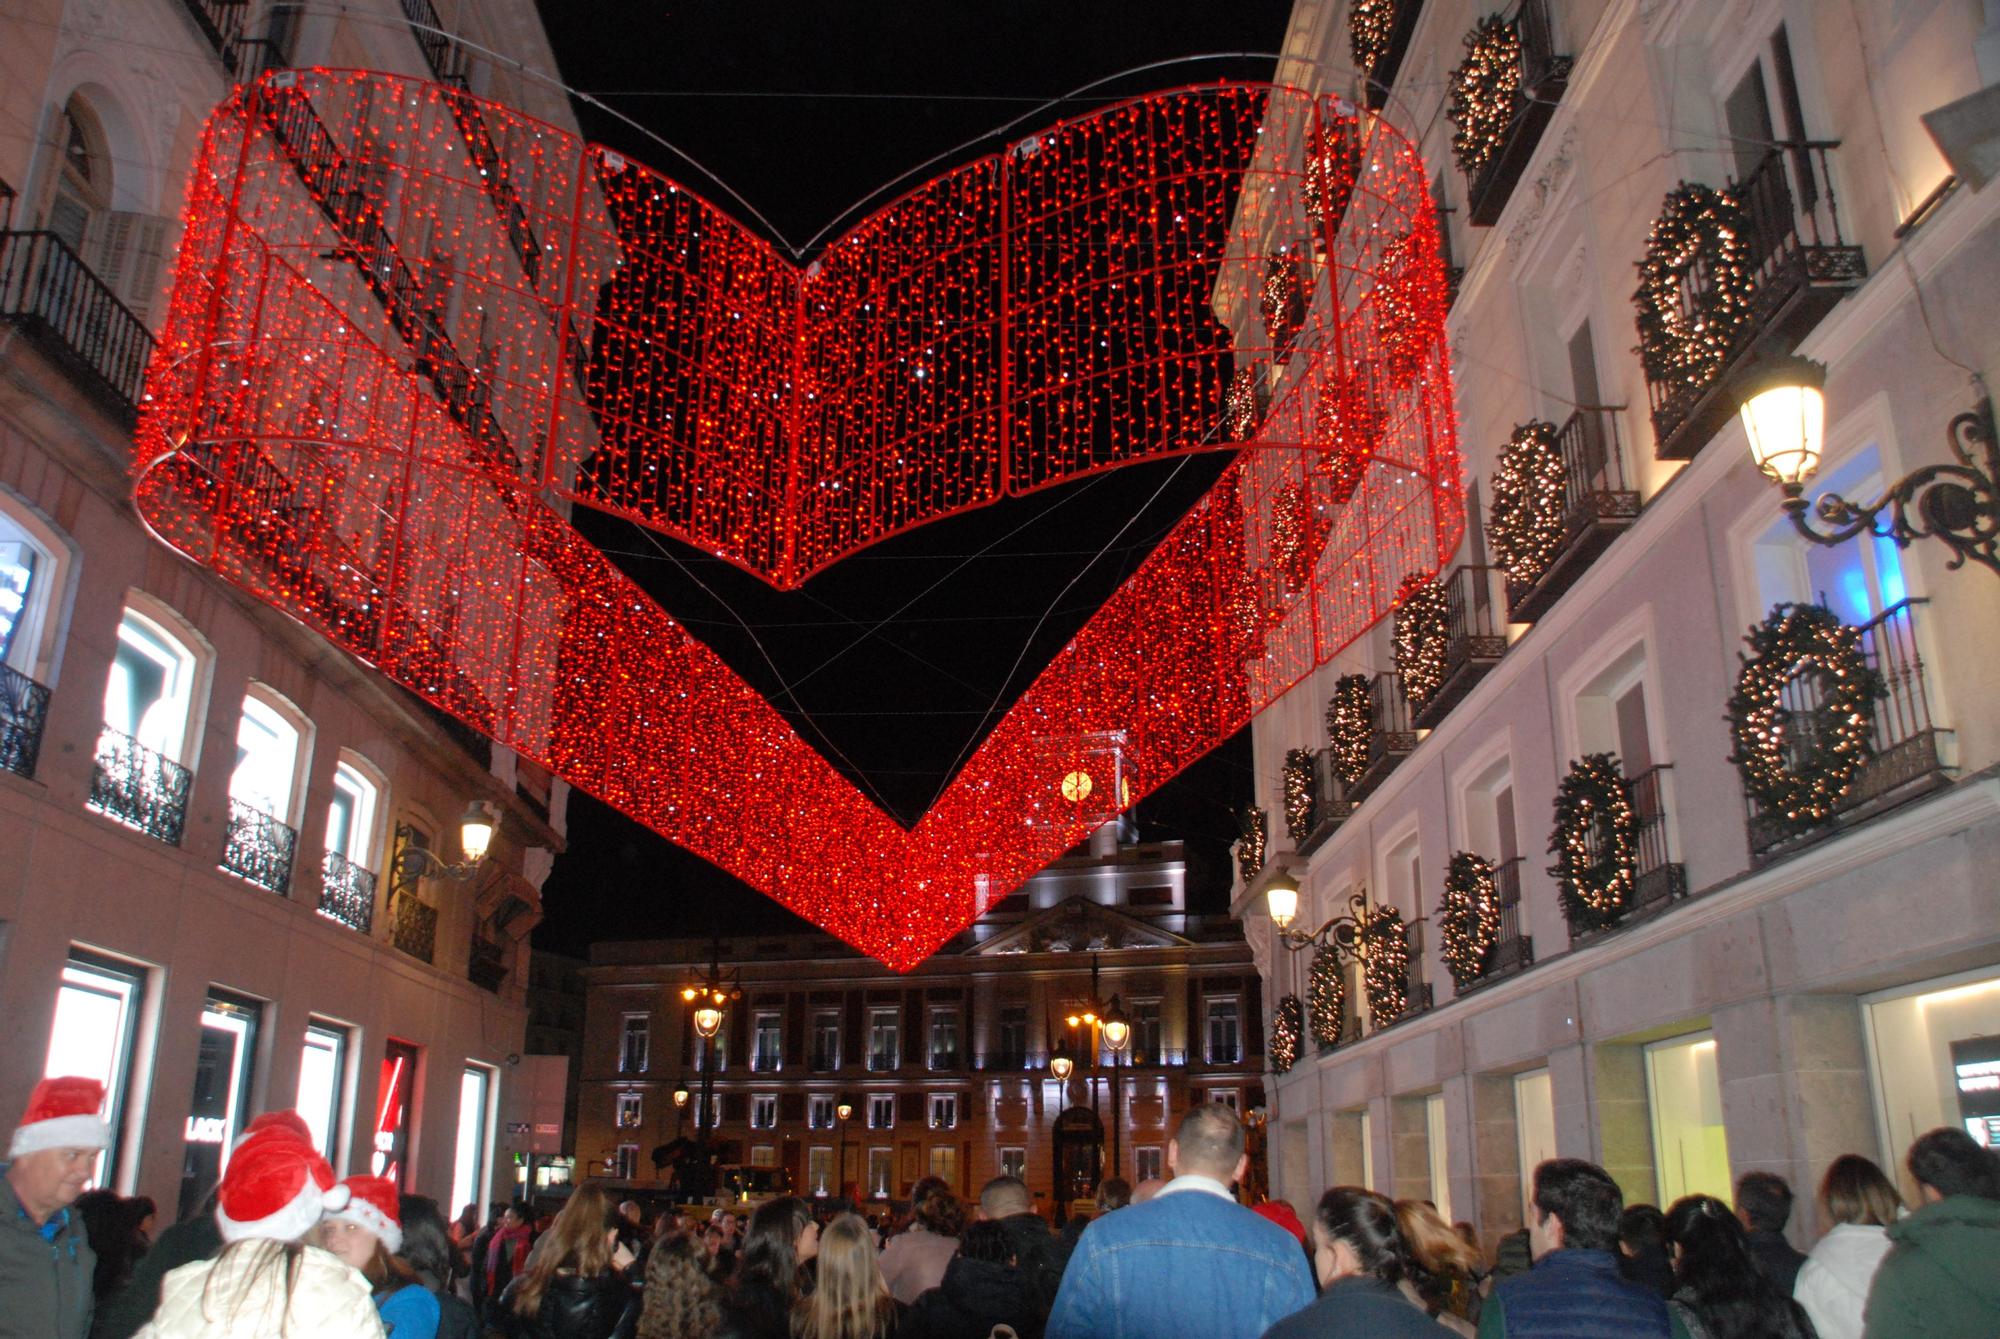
(766, 1064)
(1512, 950)
(1598, 506)
(1008, 1060)
(1544, 75)
(140, 788)
(1475, 638)
(1392, 737)
(1332, 802)
(1907, 756)
(825, 1062)
(24, 714)
(61, 304)
(882, 1062)
(223, 23)
(446, 59)
(944, 1060)
(347, 892)
(259, 848)
(414, 927)
(1657, 879)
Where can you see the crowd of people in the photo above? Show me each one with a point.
(282, 1248)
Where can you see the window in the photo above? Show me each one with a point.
(764, 1111)
(719, 1044)
(1014, 1163)
(1013, 1034)
(763, 1155)
(1224, 1032)
(1534, 1127)
(350, 815)
(884, 1045)
(819, 1113)
(625, 1167)
(633, 1045)
(83, 187)
(1225, 1097)
(1933, 1056)
(95, 1034)
(471, 1154)
(631, 1111)
(267, 759)
(944, 1162)
(150, 691)
(323, 1085)
(944, 1039)
(1146, 1032)
(30, 566)
(1684, 1097)
(826, 1040)
(1434, 1140)
(767, 1048)
(1857, 580)
(944, 1111)
(220, 1105)
(881, 1171)
(395, 1090)
(819, 1169)
(1149, 1162)
(882, 1111)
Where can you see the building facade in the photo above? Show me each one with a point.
(944, 1071)
(218, 892)
(1730, 983)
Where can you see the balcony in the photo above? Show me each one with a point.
(1657, 880)
(1391, 737)
(944, 1059)
(1544, 75)
(140, 788)
(441, 53)
(74, 317)
(765, 1064)
(1801, 265)
(1907, 755)
(413, 927)
(24, 713)
(1475, 638)
(347, 892)
(882, 1062)
(1008, 1060)
(258, 848)
(1512, 951)
(486, 966)
(1332, 802)
(1598, 505)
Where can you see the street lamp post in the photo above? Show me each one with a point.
(844, 1112)
(707, 998)
(1117, 1029)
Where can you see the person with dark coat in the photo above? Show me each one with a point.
(1037, 1253)
(783, 1236)
(427, 1246)
(1764, 1206)
(1642, 1245)
(1939, 1279)
(1360, 1259)
(983, 1287)
(475, 1257)
(46, 1264)
(1723, 1293)
(575, 1285)
(506, 1254)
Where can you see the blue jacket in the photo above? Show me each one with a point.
(1575, 1294)
(1188, 1263)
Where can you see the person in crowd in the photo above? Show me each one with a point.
(682, 1299)
(428, 1249)
(47, 1267)
(1861, 1204)
(475, 1255)
(1721, 1292)
(914, 1260)
(1190, 1261)
(983, 1287)
(1006, 1200)
(1642, 1244)
(269, 1281)
(367, 1233)
(850, 1299)
(1574, 1287)
(632, 1226)
(1443, 1269)
(1764, 1206)
(1939, 1279)
(1512, 1255)
(575, 1285)
(466, 1226)
(1113, 1192)
(1285, 1216)
(116, 1227)
(1361, 1259)
(505, 1257)
(781, 1240)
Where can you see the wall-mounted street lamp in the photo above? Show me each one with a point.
(1344, 932)
(1784, 413)
(413, 862)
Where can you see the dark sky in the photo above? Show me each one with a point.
(898, 660)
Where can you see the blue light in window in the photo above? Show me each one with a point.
(1889, 572)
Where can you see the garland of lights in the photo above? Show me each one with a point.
(1284, 299)
(1298, 532)
(1301, 799)
(1285, 1030)
(1526, 521)
(1350, 723)
(1595, 842)
(1326, 996)
(1803, 787)
(1243, 404)
(1422, 637)
(1485, 89)
(1398, 303)
(1468, 917)
(1686, 331)
(1252, 834)
(1370, 25)
(1385, 966)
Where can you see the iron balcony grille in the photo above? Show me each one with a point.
(140, 788)
(223, 23)
(1512, 951)
(441, 53)
(764, 1064)
(414, 927)
(24, 714)
(1006, 1060)
(258, 848)
(1598, 505)
(347, 892)
(57, 300)
(1906, 745)
(1475, 637)
(880, 1062)
(1544, 75)
(825, 1062)
(1656, 879)
(1392, 737)
(1332, 804)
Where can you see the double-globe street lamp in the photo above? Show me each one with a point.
(1109, 1023)
(708, 996)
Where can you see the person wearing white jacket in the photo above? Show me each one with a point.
(267, 1283)
(1833, 1283)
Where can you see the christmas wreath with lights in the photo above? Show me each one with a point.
(1423, 632)
(1526, 522)
(1698, 226)
(1484, 88)
(1284, 300)
(1385, 966)
(1350, 720)
(1333, 164)
(1300, 800)
(1285, 1030)
(1326, 996)
(1244, 402)
(1595, 843)
(1346, 419)
(1298, 532)
(1251, 836)
(1370, 25)
(1404, 288)
(1800, 766)
(1468, 916)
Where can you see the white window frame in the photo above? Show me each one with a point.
(1207, 1050)
(339, 1041)
(131, 984)
(763, 1111)
(1014, 1162)
(881, 1111)
(625, 1032)
(944, 1111)
(352, 771)
(821, 1180)
(1149, 1162)
(197, 660)
(261, 700)
(939, 1014)
(893, 1014)
(948, 1153)
(819, 1016)
(819, 1112)
(629, 1110)
(883, 1185)
(776, 1058)
(38, 640)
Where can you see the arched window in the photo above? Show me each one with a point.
(83, 182)
(31, 568)
(267, 758)
(150, 692)
(350, 818)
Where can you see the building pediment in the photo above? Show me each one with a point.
(1078, 925)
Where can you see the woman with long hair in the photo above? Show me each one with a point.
(428, 1249)
(1444, 1268)
(1721, 1293)
(1361, 1260)
(850, 1299)
(782, 1238)
(367, 1232)
(575, 1284)
(914, 1260)
(1861, 1203)
(682, 1300)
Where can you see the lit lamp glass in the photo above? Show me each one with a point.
(707, 1020)
(1784, 415)
(1117, 1028)
(1060, 1065)
(680, 1095)
(475, 833)
(1281, 897)
(845, 1110)
(688, 993)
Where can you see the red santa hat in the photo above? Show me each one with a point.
(287, 1122)
(275, 1187)
(372, 1202)
(1283, 1215)
(62, 1113)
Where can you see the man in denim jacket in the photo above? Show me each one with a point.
(1191, 1260)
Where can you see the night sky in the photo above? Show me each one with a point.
(896, 662)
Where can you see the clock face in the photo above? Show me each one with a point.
(1076, 787)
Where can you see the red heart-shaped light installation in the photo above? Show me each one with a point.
(410, 329)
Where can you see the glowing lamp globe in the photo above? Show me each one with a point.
(1117, 1027)
(707, 1020)
(845, 1110)
(1784, 415)
(1281, 898)
(1060, 1066)
(680, 1095)
(475, 833)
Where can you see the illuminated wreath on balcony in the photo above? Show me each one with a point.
(1243, 404)
(1595, 843)
(1326, 996)
(1687, 343)
(1333, 164)
(1284, 299)
(1423, 631)
(1370, 25)
(1385, 966)
(1298, 533)
(1347, 421)
(1468, 916)
(1800, 766)
(1299, 798)
(1483, 92)
(1251, 837)
(1285, 1030)
(1404, 294)
(1526, 520)
(1350, 719)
